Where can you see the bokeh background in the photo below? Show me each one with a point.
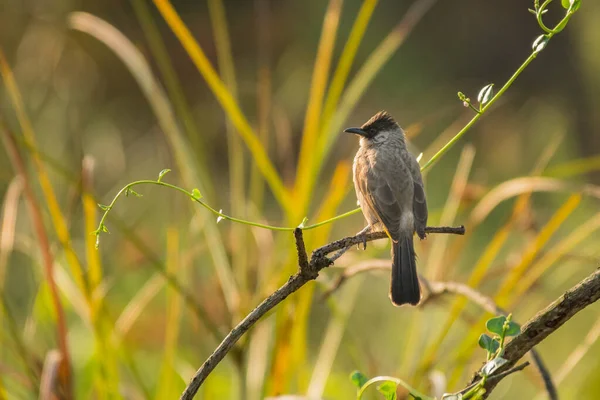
(169, 282)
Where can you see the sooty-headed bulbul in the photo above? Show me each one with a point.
(390, 191)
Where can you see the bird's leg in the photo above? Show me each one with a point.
(422, 235)
(364, 232)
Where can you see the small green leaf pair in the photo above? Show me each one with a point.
(387, 389)
(196, 194)
(573, 5)
(163, 173)
(503, 326)
(485, 95)
(488, 343)
(358, 378)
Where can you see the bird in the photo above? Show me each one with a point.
(390, 191)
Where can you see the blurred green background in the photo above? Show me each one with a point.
(168, 282)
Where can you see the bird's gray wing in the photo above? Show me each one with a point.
(381, 190)
(419, 202)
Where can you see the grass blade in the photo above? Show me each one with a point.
(292, 327)
(339, 79)
(574, 168)
(374, 63)
(530, 254)
(304, 172)
(436, 266)
(107, 381)
(58, 219)
(525, 185)
(166, 386)
(173, 87)
(559, 250)
(342, 70)
(332, 339)
(227, 101)
(263, 94)
(465, 349)
(235, 150)
(139, 68)
(65, 372)
(8, 222)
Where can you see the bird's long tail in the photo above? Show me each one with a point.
(405, 283)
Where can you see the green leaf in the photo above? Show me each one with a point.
(103, 207)
(488, 343)
(452, 396)
(575, 5)
(540, 43)
(492, 366)
(571, 4)
(485, 94)
(133, 192)
(163, 173)
(196, 194)
(478, 394)
(388, 390)
(104, 228)
(496, 324)
(303, 223)
(513, 329)
(358, 378)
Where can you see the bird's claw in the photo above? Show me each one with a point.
(363, 236)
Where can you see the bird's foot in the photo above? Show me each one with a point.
(363, 235)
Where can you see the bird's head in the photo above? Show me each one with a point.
(378, 127)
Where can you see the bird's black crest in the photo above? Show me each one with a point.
(382, 121)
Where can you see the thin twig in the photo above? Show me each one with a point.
(577, 354)
(308, 270)
(546, 375)
(496, 378)
(356, 269)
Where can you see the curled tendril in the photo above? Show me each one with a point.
(540, 10)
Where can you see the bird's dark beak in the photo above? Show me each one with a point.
(356, 131)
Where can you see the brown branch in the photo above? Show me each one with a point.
(350, 241)
(550, 319)
(301, 249)
(308, 270)
(435, 289)
(489, 305)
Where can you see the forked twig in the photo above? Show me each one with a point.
(308, 270)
